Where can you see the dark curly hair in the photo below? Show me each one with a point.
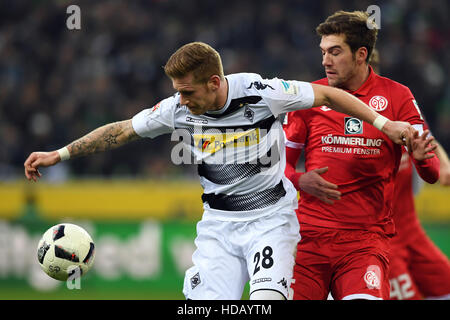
(359, 30)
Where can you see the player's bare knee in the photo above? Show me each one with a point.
(266, 295)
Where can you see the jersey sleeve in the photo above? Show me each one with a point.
(429, 169)
(295, 131)
(155, 121)
(284, 96)
(410, 112)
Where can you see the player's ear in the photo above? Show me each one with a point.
(214, 82)
(361, 54)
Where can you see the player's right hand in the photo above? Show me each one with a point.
(400, 132)
(39, 159)
(311, 182)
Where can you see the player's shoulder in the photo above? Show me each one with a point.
(243, 78)
(323, 81)
(244, 75)
(394, 86)
(250, 84)
(168, 105)
(172, 101)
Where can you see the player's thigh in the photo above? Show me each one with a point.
(402, 286)
(430, 268)
(312, 271)
(271, 253)
(309, 283)
(217, 274)
(363, 271)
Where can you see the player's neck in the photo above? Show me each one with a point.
(359, 77)
(222, 94)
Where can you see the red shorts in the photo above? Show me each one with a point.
(418, 269)
(351, 264)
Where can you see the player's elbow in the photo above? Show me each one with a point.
(432, 178)
(429, 169)
(322, 95)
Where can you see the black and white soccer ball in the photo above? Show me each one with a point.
(66, 250)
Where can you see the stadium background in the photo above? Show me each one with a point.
(58, 84)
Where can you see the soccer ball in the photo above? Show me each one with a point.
(66, 250)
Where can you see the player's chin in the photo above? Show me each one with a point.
(333, 82)
(196, 111)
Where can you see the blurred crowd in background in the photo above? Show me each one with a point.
(58, 84)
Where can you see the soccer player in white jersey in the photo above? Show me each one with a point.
(232, 126)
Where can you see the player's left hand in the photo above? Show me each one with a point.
(421, 146)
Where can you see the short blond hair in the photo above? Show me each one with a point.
(197, 57)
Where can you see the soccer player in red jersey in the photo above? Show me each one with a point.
(347, 190)
(417, 268)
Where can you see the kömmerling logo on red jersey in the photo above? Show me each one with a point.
(378, 103)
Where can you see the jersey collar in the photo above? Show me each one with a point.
(366, 86)
(220, 112)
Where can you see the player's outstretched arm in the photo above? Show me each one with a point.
(104, 138)
(341, 101)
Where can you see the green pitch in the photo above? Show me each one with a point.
(439, 233)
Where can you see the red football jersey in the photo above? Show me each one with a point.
(362, 160)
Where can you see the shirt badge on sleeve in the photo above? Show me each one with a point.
(289, 87)
(155, 107)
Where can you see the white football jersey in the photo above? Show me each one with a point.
(239, 149)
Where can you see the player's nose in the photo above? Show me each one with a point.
(183, 100)
(326, 60)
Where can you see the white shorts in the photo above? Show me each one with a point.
(230, 253)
